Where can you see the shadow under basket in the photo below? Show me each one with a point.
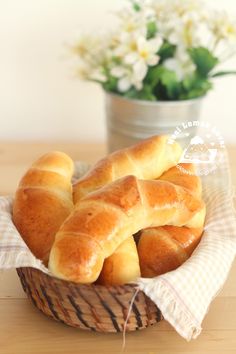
(91, 307)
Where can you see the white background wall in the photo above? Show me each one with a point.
(39, 97)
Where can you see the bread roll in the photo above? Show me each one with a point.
(43, 201)
(114, 274)
(184, 175)
(145, 160)
(162, 249)
(104, 219)
(122, 266)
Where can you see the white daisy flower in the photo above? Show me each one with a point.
(144, 55)
(127, 78)
(181, 64)
(127, 52)
(222, 26)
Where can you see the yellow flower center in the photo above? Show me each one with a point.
(80, 49)
(231, 29)
(133, 46)
(143, 54)
(188, 39)
(130, 27)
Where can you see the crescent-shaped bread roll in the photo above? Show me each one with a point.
(104, 219)
(162, 249)
(184, 175)
(43, 201)
(122, 266)
(146, 160)
(112, 273)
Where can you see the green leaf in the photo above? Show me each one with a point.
(144, 94)
(163, 83)
(151, 29)
(195, 93)
(131, 93)
(194, 86)
(111, 84)
(223, 73)
(116, 60)
(190, 81)
(166, 51)
(136, 6)
(203, 59)
(154, 75)
(170, 82)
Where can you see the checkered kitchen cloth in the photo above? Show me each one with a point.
(183, 295)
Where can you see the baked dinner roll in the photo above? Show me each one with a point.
(122, 266)
(104, 219)
(184, 175)
(126, 254)
(162, 249)
(43, 201)
(145, 160)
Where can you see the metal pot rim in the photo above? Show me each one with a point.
(155, 103)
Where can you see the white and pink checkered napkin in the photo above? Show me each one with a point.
(183, 295)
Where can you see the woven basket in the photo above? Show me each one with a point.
(91, 307)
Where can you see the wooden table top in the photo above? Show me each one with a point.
(24, 330)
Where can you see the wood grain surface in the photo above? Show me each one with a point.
(24, 330)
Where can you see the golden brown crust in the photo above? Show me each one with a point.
(162, 249)
(37, 178)
(38, 215)
(134, 211)
(56, 161)
(187, 237)
(43, 201)
(184, 175)
(145, 160)
(78, 255)
(122, 266)
(125, 195)
(96, 221)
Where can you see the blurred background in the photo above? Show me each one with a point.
(40, 97)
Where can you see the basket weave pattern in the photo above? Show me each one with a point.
(91, 307)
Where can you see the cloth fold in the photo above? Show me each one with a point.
(183, 295)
